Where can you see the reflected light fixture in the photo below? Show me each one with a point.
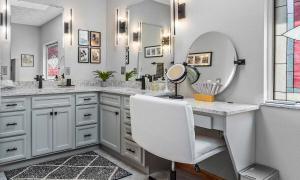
(68, 26)
(181, 10)
(1, 19)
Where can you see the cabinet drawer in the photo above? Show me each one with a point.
(127, 132)
(126, 117)
(51, 101)
(86, 135)
(132, 151)
(12, 149)
(203, 121)
(109, 99)
(12, 123)
(126, 101)
(82, 99)
(87, 114)
(14, 104)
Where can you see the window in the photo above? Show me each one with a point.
(52, 61)
(287, 50)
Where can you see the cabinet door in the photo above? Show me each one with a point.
(110, 127)
(62, 128)
(41, 131)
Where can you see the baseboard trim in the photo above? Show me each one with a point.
(205, 175)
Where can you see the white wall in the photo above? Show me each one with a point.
(25, 40)
(87, 15)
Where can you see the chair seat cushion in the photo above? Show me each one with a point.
(206, 147)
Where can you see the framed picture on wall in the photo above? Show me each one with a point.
(83, 55)
(95, 56)
(83, 38)
(27, 60)
(95, 39)
(153, 51)
(203, 59)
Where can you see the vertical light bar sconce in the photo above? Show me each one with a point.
(121, 27)
(68, 27)
(4, 19)
(181, 10)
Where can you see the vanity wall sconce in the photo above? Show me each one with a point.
(4, 19)
(1, 19)
(135, 37)
(121, 27)
(181, 10)
(68, 27)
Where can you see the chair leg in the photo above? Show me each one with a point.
(173, 172)
(197, 168)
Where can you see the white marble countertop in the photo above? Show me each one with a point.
(218, 108)
(65, 90)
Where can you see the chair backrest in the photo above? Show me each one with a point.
(163, 127)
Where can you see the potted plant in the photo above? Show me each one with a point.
(129, 75)
(104, 76)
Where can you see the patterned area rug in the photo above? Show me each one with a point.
(88, 165)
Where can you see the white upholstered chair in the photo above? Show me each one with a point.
(165, 128)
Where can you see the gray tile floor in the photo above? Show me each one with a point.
(136, 175)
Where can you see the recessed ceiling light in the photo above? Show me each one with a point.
(29, 5)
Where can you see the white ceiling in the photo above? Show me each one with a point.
(164, 1)
(34, 13)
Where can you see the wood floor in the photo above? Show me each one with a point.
(203, 175)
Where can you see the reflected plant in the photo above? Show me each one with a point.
(129, 75)
(104, 75)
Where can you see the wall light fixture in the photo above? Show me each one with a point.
(68, 27)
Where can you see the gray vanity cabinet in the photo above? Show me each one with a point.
(110, 127)
(52, 124)
(42, 128)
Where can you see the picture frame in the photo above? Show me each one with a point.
(95, 56)
(153, 51)
(202, 59)
(83, 54)
(83, 37)
(95, 39)
(27, 60)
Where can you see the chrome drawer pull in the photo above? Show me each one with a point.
(12, 149)
(11, 105)
(129, 133)
(130, 150)
(87, 135)
(87, 99)
(128, 117)
(87, 115)
(11, 124)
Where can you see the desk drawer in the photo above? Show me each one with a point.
(132, 151)
(83, 99)
(126, 101)
(86, 135)
(51, 101)
(12, 149)
(203, 121)
(12, 123)
(13, 104)
(127, 132)
(126, 117)
(110, 99)
(87, 114)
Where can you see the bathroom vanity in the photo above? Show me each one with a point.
(38, 123)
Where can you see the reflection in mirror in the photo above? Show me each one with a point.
(36, 40)
(149, 27)
(213, 54)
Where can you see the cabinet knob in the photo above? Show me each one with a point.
(55, 113)
(117, 113)
(51, 113)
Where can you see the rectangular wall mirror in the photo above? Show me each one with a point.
(36, 43)
(149, 25)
